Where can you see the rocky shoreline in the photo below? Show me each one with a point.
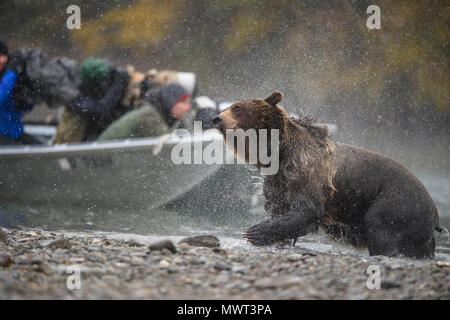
(46, 265)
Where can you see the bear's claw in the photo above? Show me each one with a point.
(259, 235)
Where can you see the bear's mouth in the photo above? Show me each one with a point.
(221, 127)
(224, 129)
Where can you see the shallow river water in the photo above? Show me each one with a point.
(159, 224)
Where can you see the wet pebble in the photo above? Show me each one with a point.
(77, 260)
(57, 244)
(137, 261)
(134, 243)
(294, 257)
(208, 241)
(443, 264)
(26, 239)
(281, 282)
(222, 266)
(31, 262)
(387, 284)
(241, 269)
(164, 263)
(3, 237)
(5, 260)
(164, 244)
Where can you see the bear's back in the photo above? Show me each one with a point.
(362, 175)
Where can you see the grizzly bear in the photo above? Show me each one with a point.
(355, 195)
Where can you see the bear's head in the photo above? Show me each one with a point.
(252, 128)
(252, 114)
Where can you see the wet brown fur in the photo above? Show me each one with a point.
(355, 195)
(305, 148)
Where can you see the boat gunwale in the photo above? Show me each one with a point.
(123, 144)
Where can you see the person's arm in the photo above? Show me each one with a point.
(7, 83)
(11, 129)
(97, 108)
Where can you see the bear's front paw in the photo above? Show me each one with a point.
(260, 234)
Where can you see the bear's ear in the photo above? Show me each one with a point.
(274, 98)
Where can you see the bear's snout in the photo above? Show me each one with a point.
(217, 121)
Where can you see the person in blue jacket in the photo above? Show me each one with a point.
(11, 111)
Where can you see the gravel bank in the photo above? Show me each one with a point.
(36, 265)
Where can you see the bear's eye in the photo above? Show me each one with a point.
(236, 109)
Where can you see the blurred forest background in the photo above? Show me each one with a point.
(387, 87)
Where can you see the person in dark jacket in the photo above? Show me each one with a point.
(101, 91)
(162, 111)
(11, 108)
(172, 100)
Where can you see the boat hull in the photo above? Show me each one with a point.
(122, 175)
